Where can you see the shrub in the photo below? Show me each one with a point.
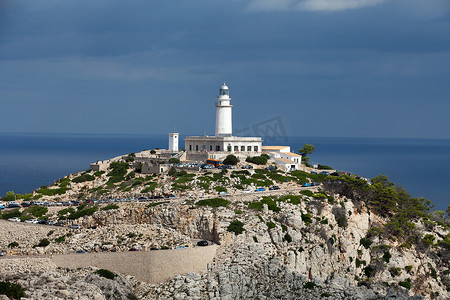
(65, 211)
(110, 206)
(359, 262)
(270, 225)
(255, 239)
(387, 256)
(231, 160)
(106, 274)
(214, 202)
(220, 189)
(309, 285)
(324, 167)
(43, 243)
(365, 242)
(60, 239)
(83, 178)
(369, 271)
(287, 238)
(306, 218)
(11, 214)
(238, 212)
(13, 245)
(172, 171)
(174, 160)
(342, 222)
(259, 160)
(12, 290)
(408, 268)
(81, 213)
(155, 204)
(236, 226)
(429, 239)
(406, 284)
(307, 193)
(52, 192)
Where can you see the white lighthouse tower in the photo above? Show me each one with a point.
(223, 112)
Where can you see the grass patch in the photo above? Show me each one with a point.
(214, 202)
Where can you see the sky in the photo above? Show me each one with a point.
(324, 68)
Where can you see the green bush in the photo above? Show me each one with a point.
(387, 256)
(65, 211)
(106, 274)
(81, 213)
(12, 290)
(307, 218)
(214, 202)
(342, 222)
(236, 226)
(309, 285)
(174, 160)
(231, 160)
(259, 160)
(429, 239)
(13, 245)
(324, 167)
(287, 238)
(220, 189)
(43, 243)
(11, 214)
(155, 204)
(83, 178)
(365, 242)
(406, 284)
(110, 206)
(52, 192)
(270, 225)
(369, 271)
(60, 239)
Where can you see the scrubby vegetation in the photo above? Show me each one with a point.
(213, 202)
(236, 226)
(106, 274)
(12, 290)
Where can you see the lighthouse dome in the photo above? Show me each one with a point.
(224, 90)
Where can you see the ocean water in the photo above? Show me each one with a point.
(28, 161)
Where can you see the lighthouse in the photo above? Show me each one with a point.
(223, 143)
(223, 112)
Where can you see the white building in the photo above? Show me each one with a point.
(223, 143)
(284, 157)
(173, 142)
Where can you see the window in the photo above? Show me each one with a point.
(256, 148)
(229, 148)
(210, 148)
(196, 147)
(217, 148)
(236, 148)
(242, 148)
(249, 148)
(204, 147)
(190, 147)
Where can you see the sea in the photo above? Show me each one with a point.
(28, 161)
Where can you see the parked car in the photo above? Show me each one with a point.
(224, 193)
(43, 222)
(315, 184)
(26, 204)
(133, 249)
(13, 204)
(32, 221)
(314, 172)
(247, 167)
(270, 168)
(50, 222)
(81, 251)
(261, 189)
(274, 187)
(202, 243)
(247, 191)
(335, 174)
(325, 172)
(75, 226)
(2, 253)
(14, 219)
(306, 184)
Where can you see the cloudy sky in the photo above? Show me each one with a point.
(335, 68)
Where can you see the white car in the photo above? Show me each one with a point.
(246, 191)
(14, 219)
(32, 221)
